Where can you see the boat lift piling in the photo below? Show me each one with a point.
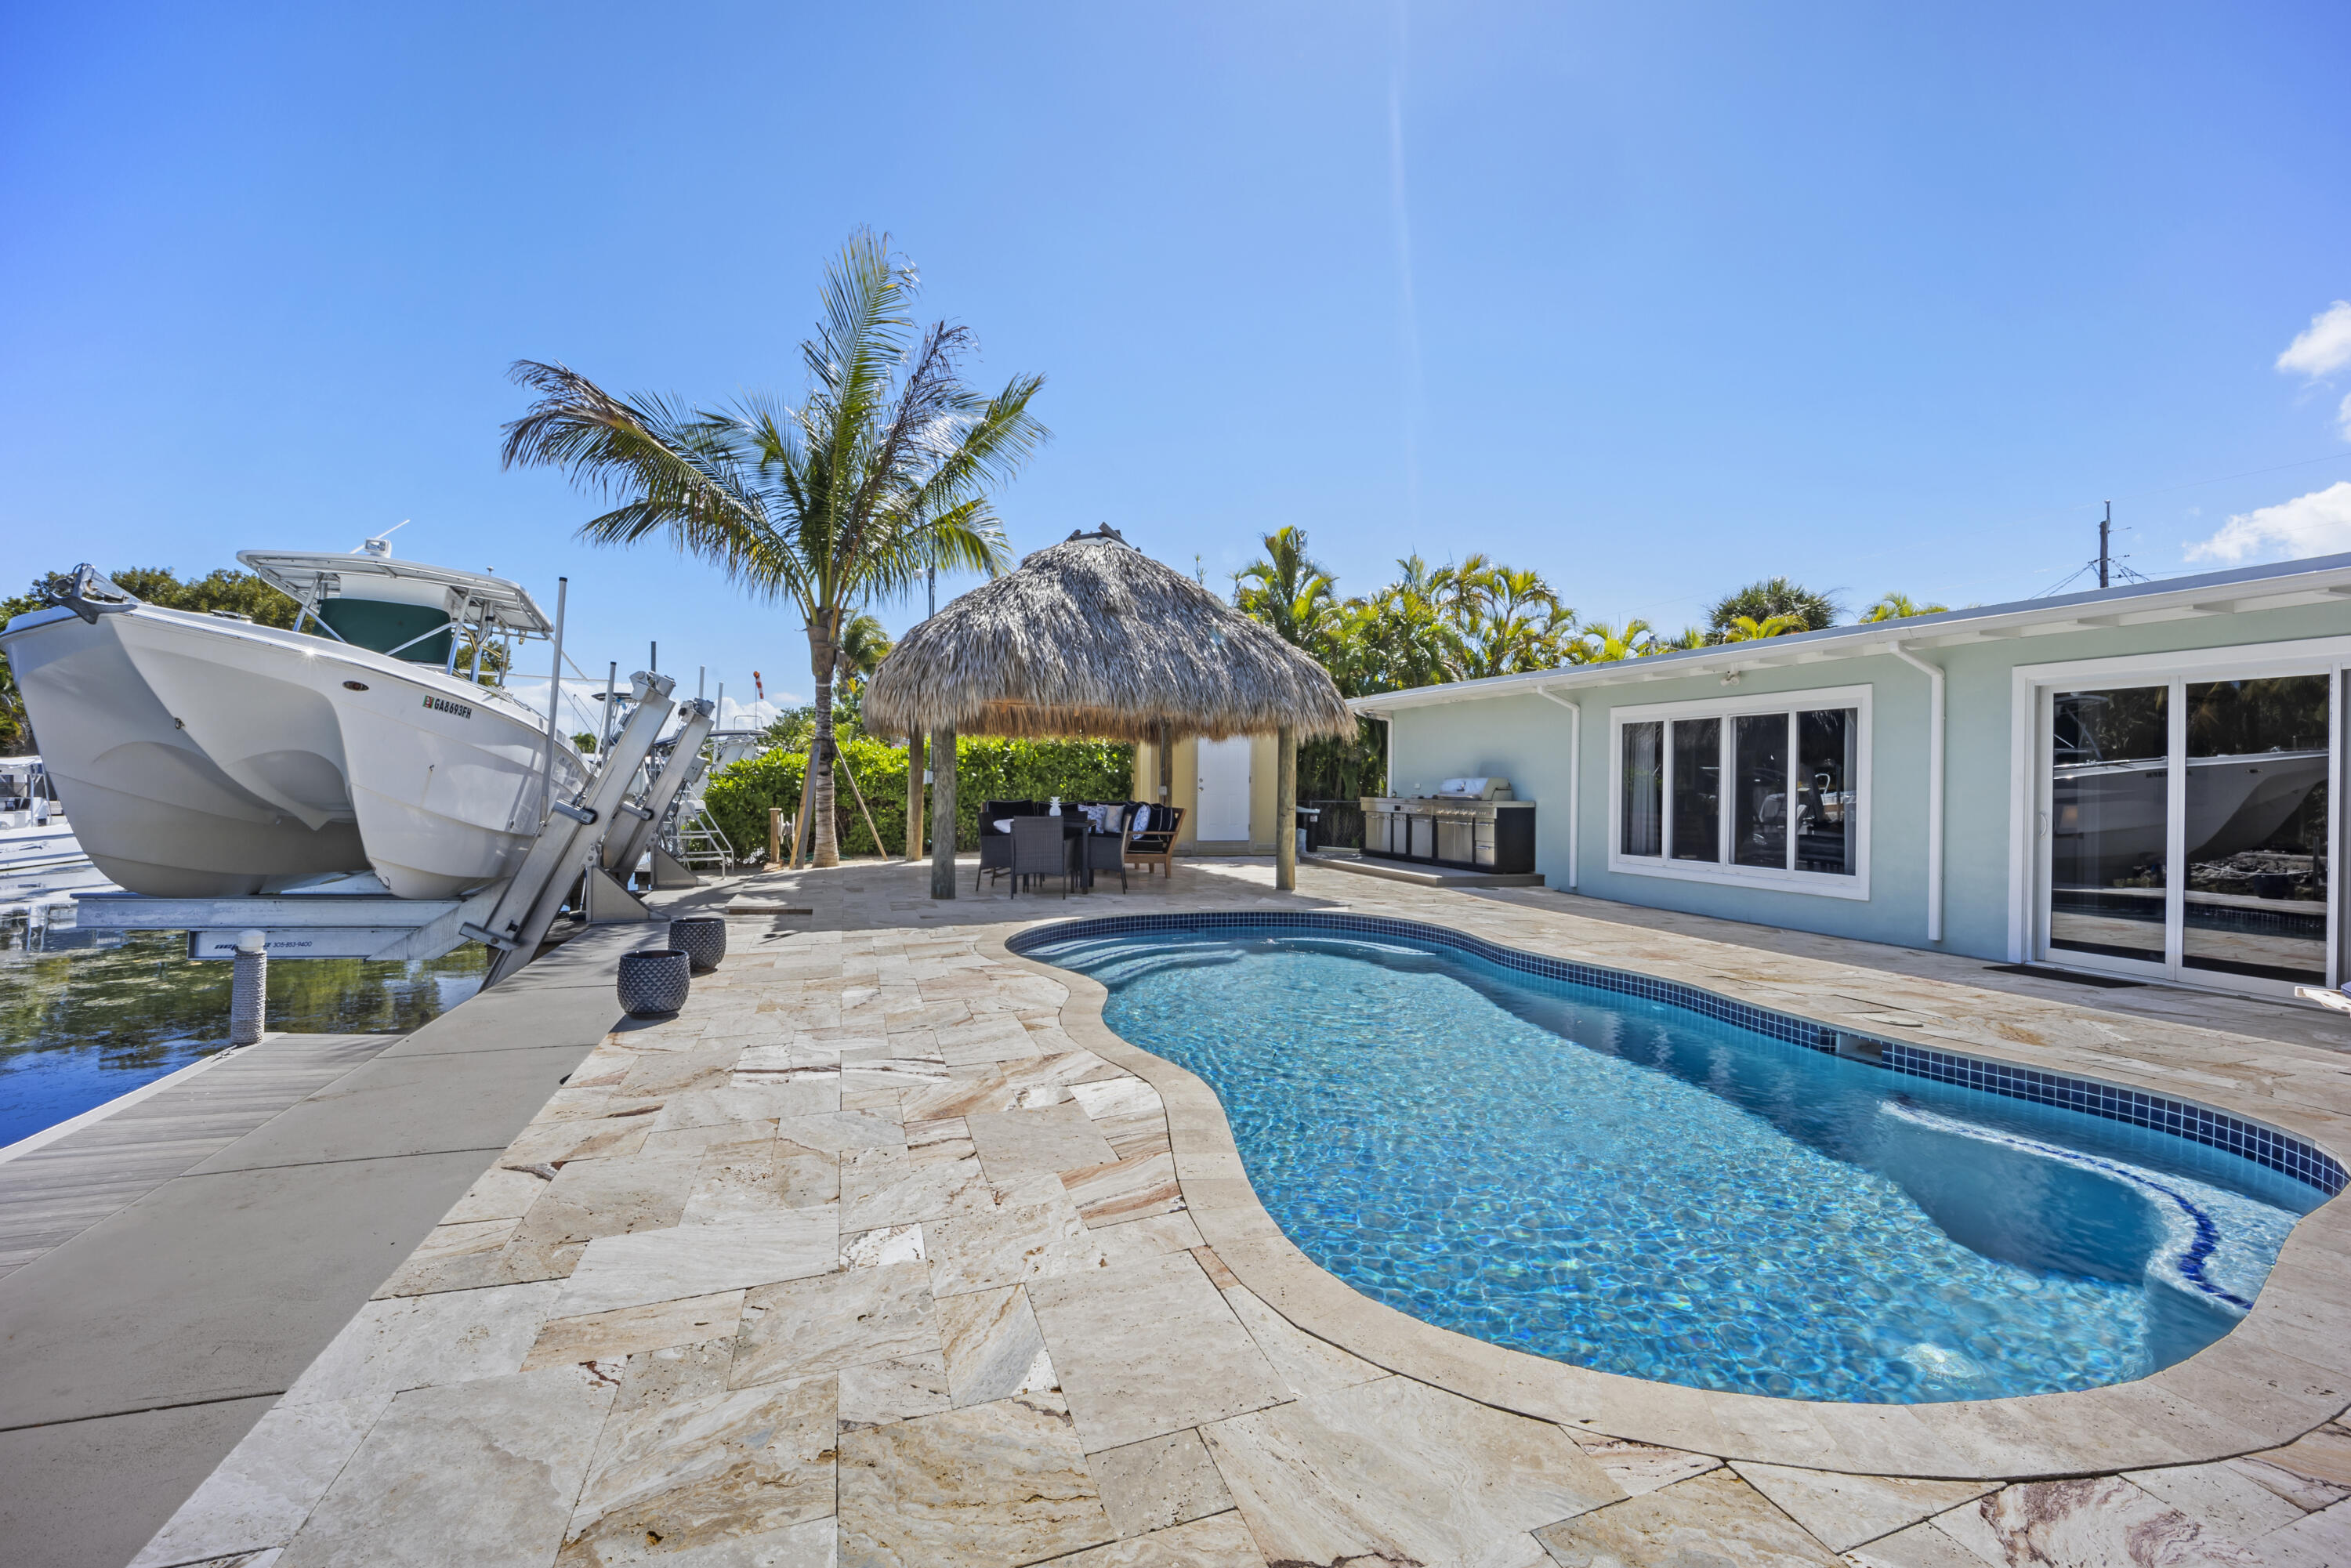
(248, 994)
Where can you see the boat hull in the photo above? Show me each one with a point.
(149, 807)
(441, 778)
(2234, 803)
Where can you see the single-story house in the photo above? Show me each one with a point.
(2139, 780)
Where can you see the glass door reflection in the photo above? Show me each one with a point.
(2110, 823)
(2256, 829)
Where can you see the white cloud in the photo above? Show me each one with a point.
(733, 714)
(2315, 524)
(2323, 347)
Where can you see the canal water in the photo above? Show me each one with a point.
(87, 1015)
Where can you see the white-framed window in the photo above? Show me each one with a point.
(1770, 790)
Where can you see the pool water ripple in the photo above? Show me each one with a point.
(1629, 1186)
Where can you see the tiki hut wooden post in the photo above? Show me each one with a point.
(943, 812)
(914, 796)
(1285, 810)
(1092, 639)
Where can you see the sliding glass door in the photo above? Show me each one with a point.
(2186, 829)
(2256, 818)
(2109, 822)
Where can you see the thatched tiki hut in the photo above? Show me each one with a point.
(1092, 639)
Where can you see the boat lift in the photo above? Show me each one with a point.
(352, 917)
(609, 898)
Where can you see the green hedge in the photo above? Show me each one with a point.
(740, 796)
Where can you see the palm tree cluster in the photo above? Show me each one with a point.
(1479, 618)
(1432, 624)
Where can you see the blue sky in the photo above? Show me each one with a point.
(1658, 299)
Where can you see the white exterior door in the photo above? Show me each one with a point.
(1223, 805)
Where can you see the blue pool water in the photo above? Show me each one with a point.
(1630, 1186)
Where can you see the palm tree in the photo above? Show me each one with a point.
(1288, 591)
(1600, 644)
(1463, 592)
(1407, 640)
(1746, 627)
(1900, 607)
(882, 471)
(1516, 627)
(1774, 596)
(865, 644)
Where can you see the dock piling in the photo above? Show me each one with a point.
(249, 989)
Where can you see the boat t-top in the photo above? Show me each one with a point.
(206, 756)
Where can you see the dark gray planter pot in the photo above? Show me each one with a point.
(701, 938)
(653, 983)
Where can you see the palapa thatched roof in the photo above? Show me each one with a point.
(1090, 637)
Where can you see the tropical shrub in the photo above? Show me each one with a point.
(739, 796)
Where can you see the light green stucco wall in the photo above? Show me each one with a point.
(1525, 739)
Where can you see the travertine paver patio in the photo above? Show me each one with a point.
(877, 1253)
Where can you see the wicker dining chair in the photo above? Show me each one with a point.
(1108, 852)
(1039, 850)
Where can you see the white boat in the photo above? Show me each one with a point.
(40, 860)
(2114, 813)
(204, 755)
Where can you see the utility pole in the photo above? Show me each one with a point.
(2106, 530)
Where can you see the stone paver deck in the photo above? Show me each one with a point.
(884, 1252)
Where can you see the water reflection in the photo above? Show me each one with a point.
(86, 1016)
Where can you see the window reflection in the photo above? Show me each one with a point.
(1792, 801)
(1759, 824)
(2109, 821)
(2256, 828)
(1642, 830)
(1698, 789)
(1826, 790)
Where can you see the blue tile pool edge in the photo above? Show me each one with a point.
(2279, 1151)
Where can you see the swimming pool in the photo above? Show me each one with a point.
(1634, 1176)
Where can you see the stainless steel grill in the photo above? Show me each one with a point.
(1472, 823)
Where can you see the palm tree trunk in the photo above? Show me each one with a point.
(825, 847)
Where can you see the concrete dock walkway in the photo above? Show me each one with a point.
(176, 1265)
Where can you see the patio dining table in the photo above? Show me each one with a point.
(1076, 830)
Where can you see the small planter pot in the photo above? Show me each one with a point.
(653, 983)
(702, 938)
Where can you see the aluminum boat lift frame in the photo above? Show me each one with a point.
(511, 918)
